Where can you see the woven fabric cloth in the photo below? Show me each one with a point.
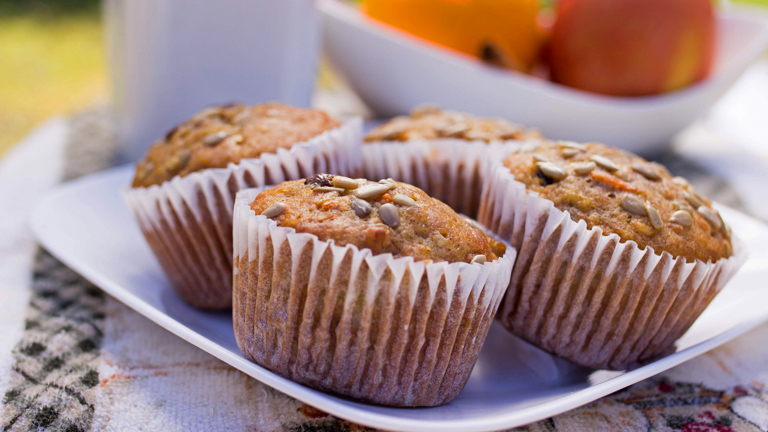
(85, 362)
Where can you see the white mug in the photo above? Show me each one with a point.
(172, 58)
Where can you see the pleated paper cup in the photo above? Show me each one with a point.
(446, 169)
(585, 295)
(385, 330)
(187, 221)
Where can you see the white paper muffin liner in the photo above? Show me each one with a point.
(586, 296)
(385, 330)
(187, 221)
(447, 169)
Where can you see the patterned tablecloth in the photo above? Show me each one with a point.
(74, 359)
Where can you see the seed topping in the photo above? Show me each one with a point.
(552, 170)
(540, 158)
(647, 172)
(680, 181)
(328, 189)
(681, 217)
(711, 216)
(693, 199)
(572, 145)
(530, 146)
(361, 208)
(345, 182)
(570, 152)
(373, 191)
(389, 215)
(179, 161)
(478, 259)
(403, 200)
(274, 211)
(633, 205)
(654, 216)
(213, 139)
(604, 162)
(584, 168)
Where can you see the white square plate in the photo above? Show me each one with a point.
(86, 225)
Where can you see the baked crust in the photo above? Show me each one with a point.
(218, 136)
(427, 230)
(429, 123)
(621, 195)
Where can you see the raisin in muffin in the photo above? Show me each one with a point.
(439, 151)
(372, 290)
(185, 186)
(617, 256)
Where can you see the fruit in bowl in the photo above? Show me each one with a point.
(503, 32)
(632, 47)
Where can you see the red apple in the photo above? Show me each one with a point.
(632, 47)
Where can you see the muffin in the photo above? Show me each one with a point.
(369, 290)
(617, 257)
(438, 151)
(184, 189)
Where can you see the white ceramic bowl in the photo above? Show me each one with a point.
(393, 73)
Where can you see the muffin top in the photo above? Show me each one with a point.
(219, 135)
(432, 123)
(385, 217)
(623, 194)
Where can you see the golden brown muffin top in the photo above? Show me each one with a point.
(219, 135)
(386, 217)
(432, 123)
(624, 194)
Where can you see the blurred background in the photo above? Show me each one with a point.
(54, 62)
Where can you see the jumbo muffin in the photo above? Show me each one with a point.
(184, 188)
(617, 257)
(370, 290)
(439, 151)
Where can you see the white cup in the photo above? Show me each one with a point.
(172, 58)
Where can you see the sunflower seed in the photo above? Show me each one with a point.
(360, 207)
(373, 191)
(274, 210)
(146, 170)
(572, 145)
(693, 199)
(178, 161)
(213, 139)
(389, 215)
(681, 217)
(570, 152)
(646, 172)
(584, 168)
(328, 189)
(345, 182)
(540, 158)
(552, 170)
(683, 205)
(654, 216)
(455, 130)
(530, 146)
(711, 216)
(241, 117)
(633, 205)
(478, 259)
(403, 200)
(604, 162)
(680, 181)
